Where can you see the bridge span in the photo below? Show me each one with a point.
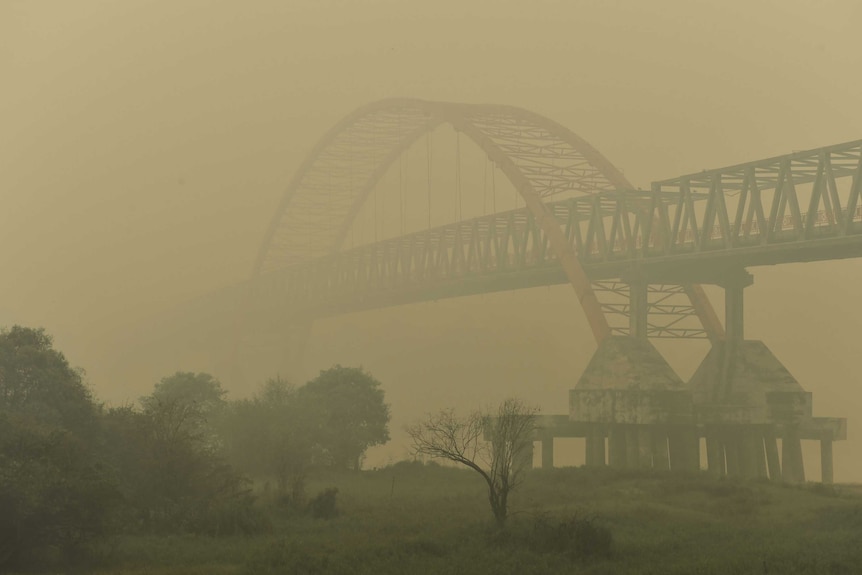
(688, 230)
(635, 258)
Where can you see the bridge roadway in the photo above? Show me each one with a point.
(692, 229)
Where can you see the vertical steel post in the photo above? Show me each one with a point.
(547, 450)
(791, 456)
(661, 460)
(632, 449)
(715, 454)
(638, 308)
(826, 470)
(772, 462)
(617, 446)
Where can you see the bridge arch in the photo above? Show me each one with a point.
(541, 158)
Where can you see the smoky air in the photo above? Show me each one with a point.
(393, 287)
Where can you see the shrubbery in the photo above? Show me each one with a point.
(324, 504)
(56, 490)
(577, 536)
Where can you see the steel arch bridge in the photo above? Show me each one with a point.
(303, 271)
(584, 224)
(635, 258)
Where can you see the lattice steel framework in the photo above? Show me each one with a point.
(544, 161)
(684, 228)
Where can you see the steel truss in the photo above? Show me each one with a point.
(745, 214)
(544, 161)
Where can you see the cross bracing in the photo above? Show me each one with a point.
(612, 233)
(582, 224)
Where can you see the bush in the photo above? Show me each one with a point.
(55, 498)
(576, 536)
(324, 505)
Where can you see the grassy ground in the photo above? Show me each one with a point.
(418, 519)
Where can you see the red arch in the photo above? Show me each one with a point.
(315, 214)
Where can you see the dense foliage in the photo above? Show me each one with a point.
(349, 412)
(283, 431)
(55, 488)
(73, 472)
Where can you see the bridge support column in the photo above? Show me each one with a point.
(632, 449)
(660, 457)
(524, 454)
(617, 446)
(734, 306)
(791, 457)
(547, 451)
(595, 449)
(747, 455)
(772, 462)
(638, 308)
(715, 455)
(759, 455)
(684, 447)
(644, 446)
(826, 473)
(731, 453)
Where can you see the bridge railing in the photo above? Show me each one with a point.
(735, 208)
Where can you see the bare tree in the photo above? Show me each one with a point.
(497, 446)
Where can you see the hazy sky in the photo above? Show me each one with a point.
(144, 146)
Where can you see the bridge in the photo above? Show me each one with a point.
(635, 258)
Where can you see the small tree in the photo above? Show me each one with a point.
(184, 405)
(271, 434)
(348, 407)
(55, 491)
(496, 446)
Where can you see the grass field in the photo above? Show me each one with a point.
(411, 518)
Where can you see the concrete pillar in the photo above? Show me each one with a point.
(772, 462)
(617, 446)
(589, 448)
(547, 451)
(676, 448)
(660, 457)
(759, 459)
(595, 448)
(734, 285)
(715, 455)
(599, 450)
(731, 454)
(644, 446)
(684, 447)
(638, 308)
(791, 457)
(747, 465)
(632, 449)
(525, 454)
(826, 472)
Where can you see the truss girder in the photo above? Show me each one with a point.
(800, 196)
(542, 159)
(610, 232)
(331, 186)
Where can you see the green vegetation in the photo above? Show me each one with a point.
(163, 487)
(428, 519)
(75, 474)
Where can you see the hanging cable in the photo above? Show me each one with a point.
(428, 153)
(494, 186)
(401, 188)
(485, 188)
(458, 206)
(515, 189)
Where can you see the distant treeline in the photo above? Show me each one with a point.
(73, 470)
